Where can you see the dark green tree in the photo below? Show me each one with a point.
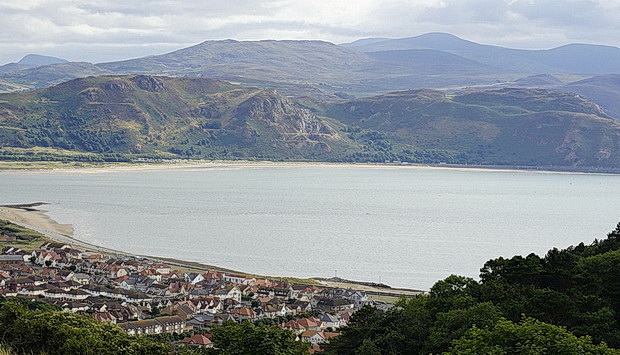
(530, 336)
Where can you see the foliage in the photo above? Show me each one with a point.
(565, 302)
(530, 336)
(133, 117)
(38, 329)
(21, 232)
(247, 338)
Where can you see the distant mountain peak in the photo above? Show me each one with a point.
(40, 60)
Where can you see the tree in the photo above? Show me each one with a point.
(247, 338)
(41, 330)
(530, 336)
(455, 323)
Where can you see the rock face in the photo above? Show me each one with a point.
(146, 114)
(289, 119)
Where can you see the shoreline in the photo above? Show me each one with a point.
(38, 220)
(241, 164)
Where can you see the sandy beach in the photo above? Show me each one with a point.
(37, 219)
(242, 164)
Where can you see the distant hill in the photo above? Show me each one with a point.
(572, 58)
(603, 89)
(323, 70)
(144, 116)
(31, 61)
(37, 60)
(48, 75)
(159, 116)
(365, 67)
(507, 126)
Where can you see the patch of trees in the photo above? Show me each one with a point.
(567, 302)
(38, 328)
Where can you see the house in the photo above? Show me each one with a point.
(12, 260)
(170, 324)
(229, 292)
(198, 340)
(193, 278)
(315, 338)
(50, 246)
(7, 237)
(294, 326)
(182, 310)
(243, 313)
(359, 298)
(238, 279)
(105, 317)
(330, 320)
(334, 304)
(311, 323)
(201, 321)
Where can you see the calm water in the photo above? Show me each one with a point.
(402, 226)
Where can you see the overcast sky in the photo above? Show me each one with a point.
(106, 30)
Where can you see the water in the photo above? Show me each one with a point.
(406, 227)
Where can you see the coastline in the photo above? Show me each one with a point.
(37, 220)
(244, 164)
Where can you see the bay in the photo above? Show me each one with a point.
(403, 226)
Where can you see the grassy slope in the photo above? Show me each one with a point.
(115, 117)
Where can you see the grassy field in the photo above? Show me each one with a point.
(30, 240)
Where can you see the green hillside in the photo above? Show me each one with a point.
(165, 117)
(138, 116)
(507, 126)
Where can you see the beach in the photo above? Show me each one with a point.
(38, 220)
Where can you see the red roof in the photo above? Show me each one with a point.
(199, 339)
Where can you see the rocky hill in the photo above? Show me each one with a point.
(174, 117)
(367, 67)
(140, 116)
(506, 126)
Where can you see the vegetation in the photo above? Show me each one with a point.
(143, 118)
(566, 302)
(22, 233)
(247, 338)
(34, 327)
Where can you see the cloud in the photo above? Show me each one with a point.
(106, 30)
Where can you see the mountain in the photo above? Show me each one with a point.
(31, 61)
(572, 58)
(36, 60)
(160, 116)
(507, 126)
(325, 70)
(132, 116)
(48, 75)
(262, 61)
(603, 89)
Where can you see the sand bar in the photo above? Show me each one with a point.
(36, 218)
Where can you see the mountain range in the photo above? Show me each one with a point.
(155, 116)
(431, 98)
(366, 67)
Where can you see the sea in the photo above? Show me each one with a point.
(402, 226)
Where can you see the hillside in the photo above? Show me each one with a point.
(138, 116)
(603, 89)
(365, 67)
(507, 126)
(159, 116)
(571, 58)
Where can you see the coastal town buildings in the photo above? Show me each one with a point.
(144, 296)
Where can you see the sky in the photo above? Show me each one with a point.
(108, 30)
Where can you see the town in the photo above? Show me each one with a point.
(145, 296)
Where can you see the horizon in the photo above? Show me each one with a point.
(47, 54)
(112, 30)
